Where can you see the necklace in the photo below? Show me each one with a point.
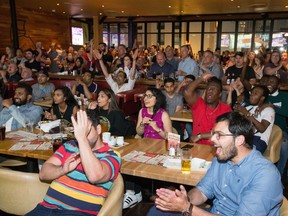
(62, 113)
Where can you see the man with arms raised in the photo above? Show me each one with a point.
(240, 180)
(205, 111)
(82, 172)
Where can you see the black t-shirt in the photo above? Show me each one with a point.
(233, 72)
(33, 65)
(117, 123)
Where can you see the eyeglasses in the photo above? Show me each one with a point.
(218, 134)
(149, 96)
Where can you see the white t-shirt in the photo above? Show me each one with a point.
(266, 114)
(125, 87)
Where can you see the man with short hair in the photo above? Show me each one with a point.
(246, 73)
(107, 57)
(54, 58)
(239, 180)
(82, 171)
(263, 121)
(43, 89)
(207, 65)
(86, 86)
(161, 67)
(187, 65)
(171, 59)
(11, 75)
(31, 61)
(205, 111)
(19, 109)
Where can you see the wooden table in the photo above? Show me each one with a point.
(44, 103)
(158, 172)
(183, 116)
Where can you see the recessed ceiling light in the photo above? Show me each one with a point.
(169, 6)
(53, 10)
(231, 0)
(64, 12)
(286, 6)
(103, 6)
(100, 14)
(182, 11)
(238, 6)
(122, 11)
(81, 9)
(137, 14)
(40, 8)
(58, 4)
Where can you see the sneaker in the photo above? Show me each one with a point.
(131, 199)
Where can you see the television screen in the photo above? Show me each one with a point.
(77, 36)
(279, 39)
(225, 40)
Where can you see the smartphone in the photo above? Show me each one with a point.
(189, 146)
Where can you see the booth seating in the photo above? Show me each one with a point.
(22, 191)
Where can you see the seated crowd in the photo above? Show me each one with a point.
(242, 117)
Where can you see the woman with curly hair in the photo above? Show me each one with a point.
(153, 120)
(64, 105)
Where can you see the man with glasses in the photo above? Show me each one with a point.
(82, 171)
(239, 180)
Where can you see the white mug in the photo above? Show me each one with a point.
(106, 136)
(120, 140)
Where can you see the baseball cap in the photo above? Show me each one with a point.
(43, 71)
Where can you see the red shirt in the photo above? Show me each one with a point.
(204, 117)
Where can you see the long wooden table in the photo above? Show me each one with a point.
(158, 172)
(182, 116)
(155, 172)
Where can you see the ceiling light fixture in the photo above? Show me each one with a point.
(58, 4)
(64, 12)
(100, 14)
(238, 6)
(81, 9)
(122, 11)
(103, 6)
(40, 8)
(286, 6)
(169, 6)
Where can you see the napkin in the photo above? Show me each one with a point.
(48, 126)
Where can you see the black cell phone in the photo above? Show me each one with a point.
(189, 146)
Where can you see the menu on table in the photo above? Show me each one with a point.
(31, 145)
(143, 157)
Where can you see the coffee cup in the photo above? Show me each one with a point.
(106, 136)
(120, 140)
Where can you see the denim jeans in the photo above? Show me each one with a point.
(40, 210)
(156, 212)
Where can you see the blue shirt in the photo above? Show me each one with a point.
(189, 66)
(251, 187)
(92, 88)
(21, 115)
(166, 69)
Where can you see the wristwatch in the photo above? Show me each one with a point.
(188, 212)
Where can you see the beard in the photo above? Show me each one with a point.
(18, 102)
(228, 153)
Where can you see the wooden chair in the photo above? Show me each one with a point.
(20, 191)
(272, 152)
(114, 202)
(284, 207)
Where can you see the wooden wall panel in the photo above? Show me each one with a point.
(33, 26)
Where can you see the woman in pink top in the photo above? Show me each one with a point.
(153, 120)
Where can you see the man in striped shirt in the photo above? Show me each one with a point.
(82, 172)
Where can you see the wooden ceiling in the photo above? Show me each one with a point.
(134, 8)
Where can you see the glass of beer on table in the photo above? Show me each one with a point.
(186, 160)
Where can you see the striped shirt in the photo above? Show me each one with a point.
(73, 191)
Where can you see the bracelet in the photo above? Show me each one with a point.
(188, 211)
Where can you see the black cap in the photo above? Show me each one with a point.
(43, 71)
(241, 54)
